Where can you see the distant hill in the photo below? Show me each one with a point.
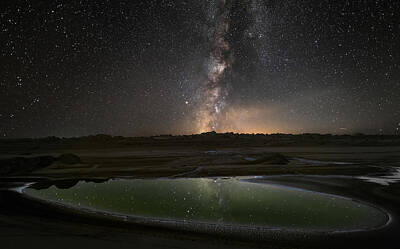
(28, 145)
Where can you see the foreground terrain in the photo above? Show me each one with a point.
(365, 168)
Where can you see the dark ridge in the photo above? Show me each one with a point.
(24, 165)
(27, 146)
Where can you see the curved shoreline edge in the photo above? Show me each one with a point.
(220, 229)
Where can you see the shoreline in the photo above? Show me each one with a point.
(224, 229)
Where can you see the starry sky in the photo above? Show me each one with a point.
(138, 68)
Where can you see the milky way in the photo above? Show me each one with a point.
(215, 90)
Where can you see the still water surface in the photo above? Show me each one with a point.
(226, 201)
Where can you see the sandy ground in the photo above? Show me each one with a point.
(336, 170)
(220, 161)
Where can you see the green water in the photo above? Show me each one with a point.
(227, 201)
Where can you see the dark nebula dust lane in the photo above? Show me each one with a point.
(215, 90)
(139, 68)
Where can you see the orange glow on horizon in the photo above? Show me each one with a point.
(243, 119)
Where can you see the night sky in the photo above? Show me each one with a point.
(136, 68)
